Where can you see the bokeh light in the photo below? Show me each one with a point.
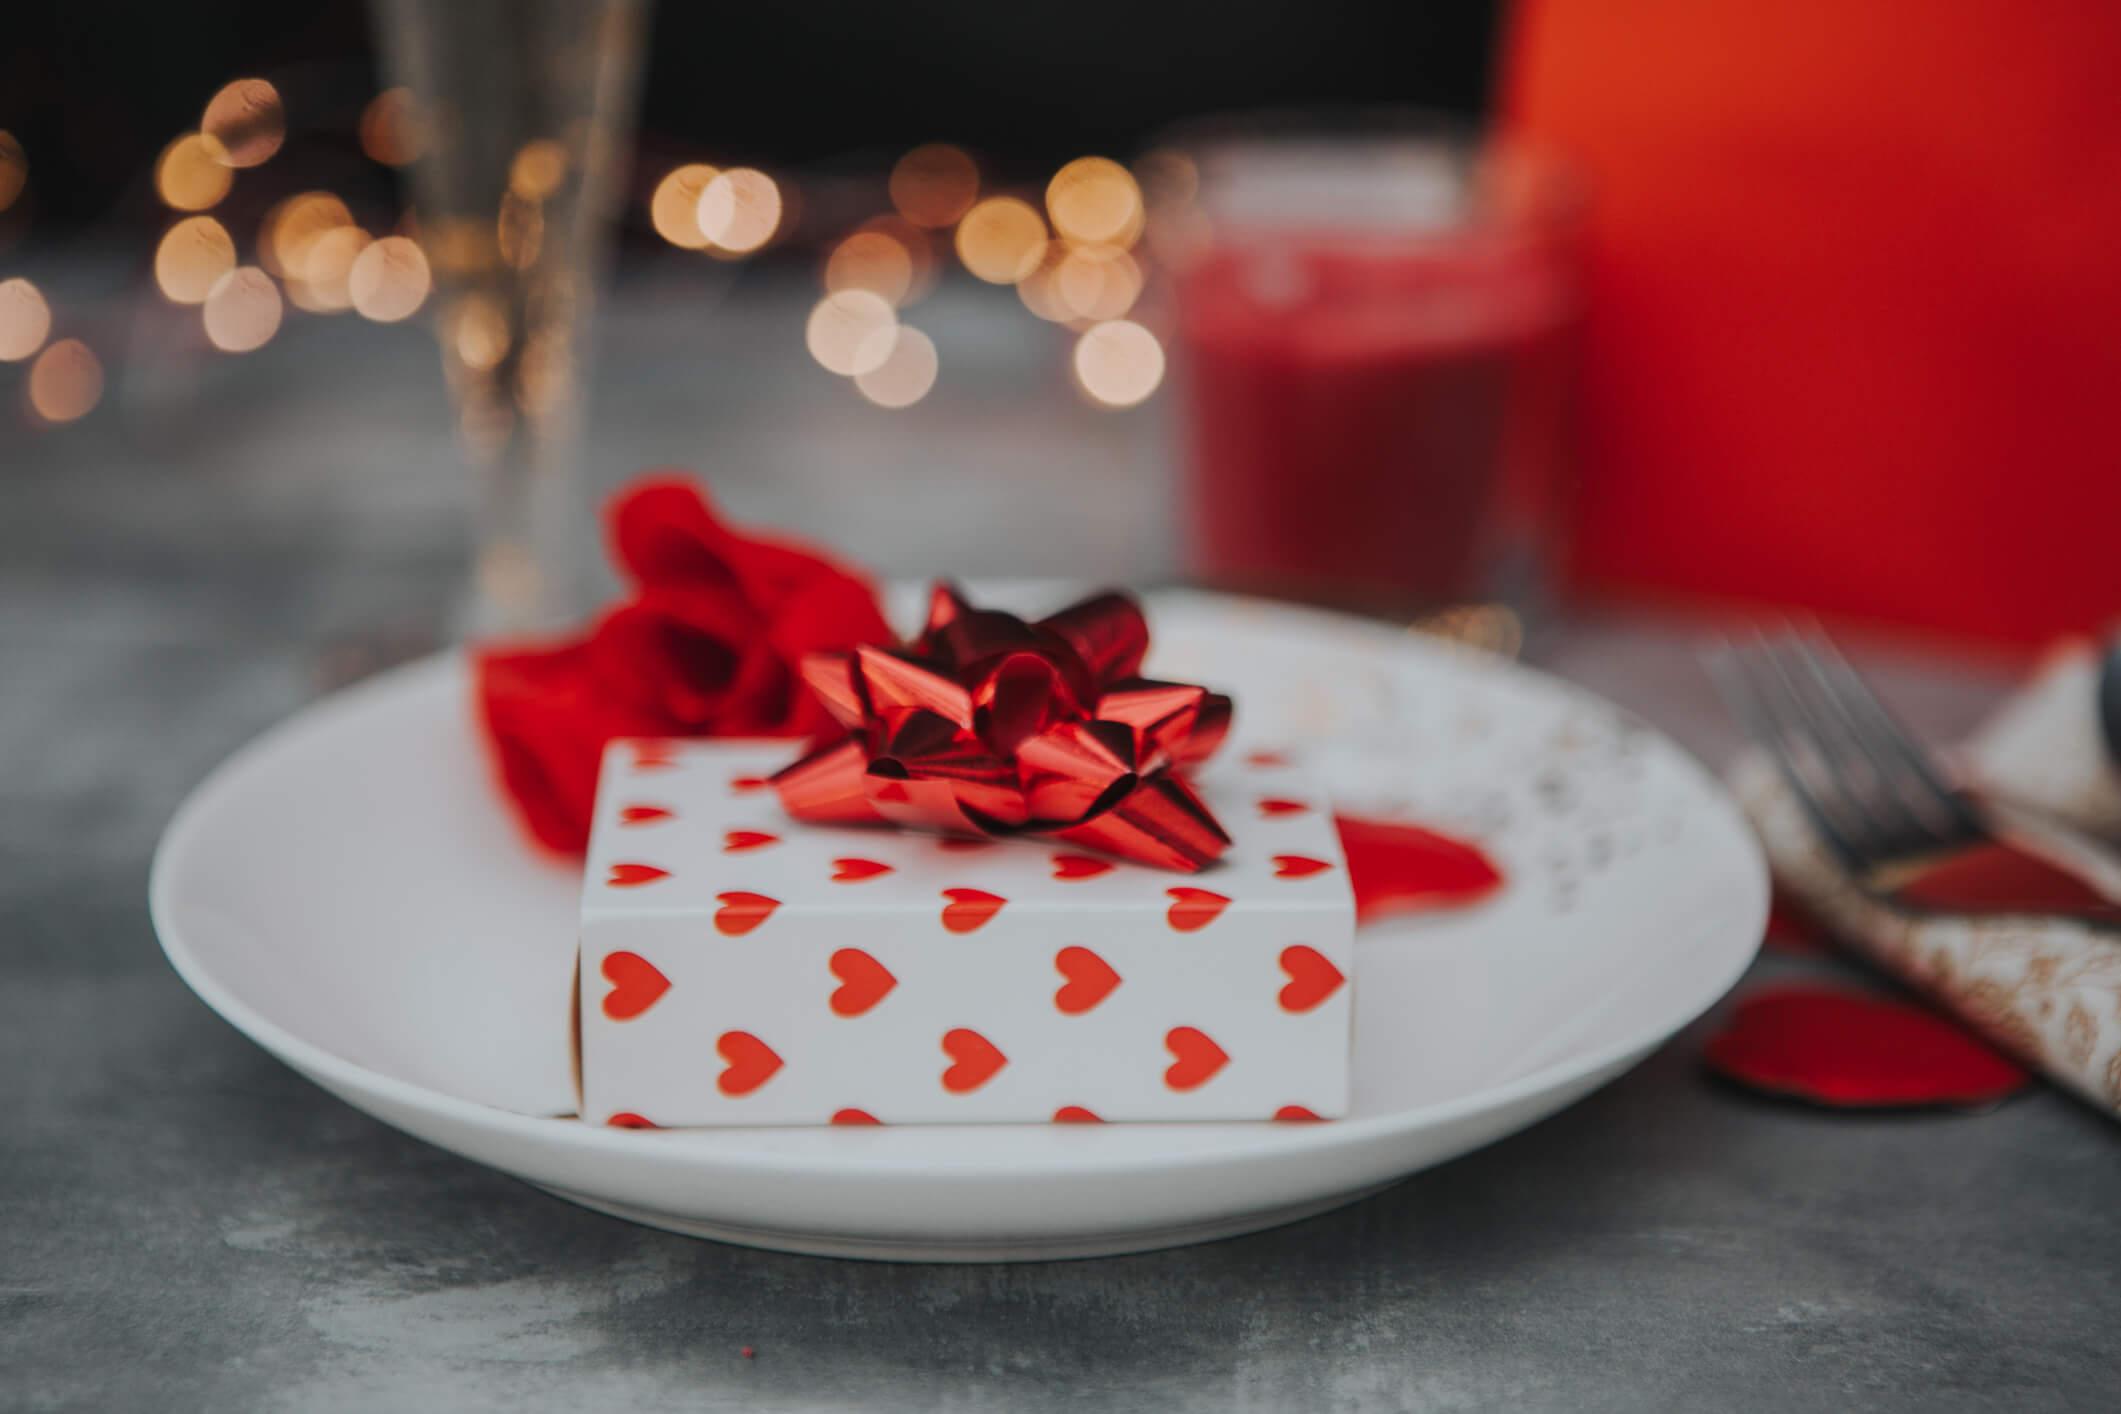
(293, 225)
(1001, 240)
(476, 329)
(318, 282)
(1118, 363)
(25, 320)
(390, 128)
(740, 209)
(871, 260)
(906, 373)
(245, 122)
(934, 185)
(539, 167)
(1095, 199)
(389, 280)
(194, 253)
(66, 381)
(675, 207)
(189, 176)
(243, 312)
(520, 230)
(1096, 282)
(842, 333)
(14, 169)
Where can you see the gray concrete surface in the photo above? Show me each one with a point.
(184, 1224)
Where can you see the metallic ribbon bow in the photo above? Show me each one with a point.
(987, 725)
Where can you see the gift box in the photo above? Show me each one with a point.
(740, 967)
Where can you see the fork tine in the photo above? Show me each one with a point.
(1849, 772)
(1738, 681)
(1919, 780)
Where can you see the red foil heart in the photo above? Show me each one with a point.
(987, 725)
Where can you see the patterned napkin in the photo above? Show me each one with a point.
(2049, 995)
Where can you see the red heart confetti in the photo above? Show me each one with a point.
(1297, 1114)
(632, 876)
(1312, 977)
(1265, 759)
(853, 871)
(863, 981)
(1196, 1058)
(642, 814)
(974, 1060)
(854, 1116)
(1090, 980)
(970, 908)
(1076, 1114)
(1405, 868)
(636, 985)
(738, 841)
(1298, 866)
(1850, 1050)
(1080, 866)
(751, 1062)
(1275, 805)
(741, 912)
(744, 785)
(1194, 909)
(626, 1119)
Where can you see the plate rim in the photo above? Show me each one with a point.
(331, 1070)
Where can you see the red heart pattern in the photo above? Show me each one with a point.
(642, 814)
(636, 985)
(970, 908)
(853, 871)
(1274, 805)
(626, 1119)
(1080, 866)
(1297, 1114)
(738, 841)
(1298, 866)
(974, 1060)
(1194, 909)
(1195, 1058)
(863, 981)
(632, 876)
(1076, 1114)
(1265, 759)
(744, 785)
(1312, 978)
(1090, 979)
(741, 912)
(749, 1063)
(854, 1116)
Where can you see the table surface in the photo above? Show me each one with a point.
(186, 1224)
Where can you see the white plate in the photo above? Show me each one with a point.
(348, 893)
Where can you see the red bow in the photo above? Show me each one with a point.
(987, 725)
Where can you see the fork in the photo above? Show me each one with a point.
(1876, 798)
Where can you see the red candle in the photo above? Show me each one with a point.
(1375, 407)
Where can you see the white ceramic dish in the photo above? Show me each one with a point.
(348, 892)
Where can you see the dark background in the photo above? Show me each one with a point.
(93, 90)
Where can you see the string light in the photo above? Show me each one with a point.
(539, 167)
(871, 260)
(194, 253)
(188, 175)
(243, 311)
(740, 210)
(477, 329)
(675, 207)
(1001, 240)
(1096, 282)
(389, 280)
(317, 281)
(66, 382)
(1118, 363)
(245, 122)
(14, 169)
(906, 372)
(25, 320)
(293, 225)
(842, 329)
(1095, 199)
(390, 128)
(934, 185)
